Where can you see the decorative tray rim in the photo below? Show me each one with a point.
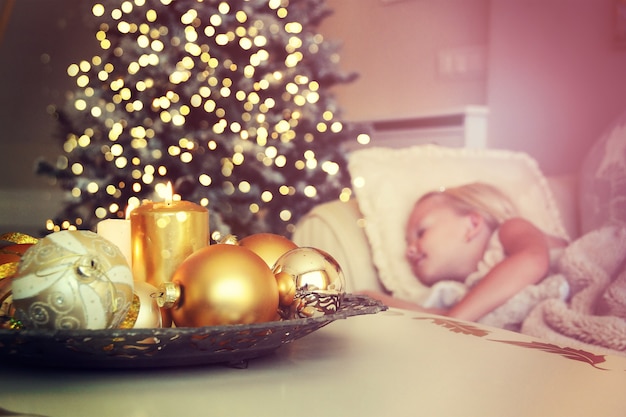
(166, 347)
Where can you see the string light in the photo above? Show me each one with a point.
(260, 96)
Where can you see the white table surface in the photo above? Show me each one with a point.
(394, 363)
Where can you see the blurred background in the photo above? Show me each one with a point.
(550, 72)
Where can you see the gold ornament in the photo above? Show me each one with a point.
(286, 288)
(166, 317)
(10, 256)
(221, 284)
(131, 315)
(317, 283)
(144, 313)
(6, 302)
(268, 246)
(19, 238)
(73, 279)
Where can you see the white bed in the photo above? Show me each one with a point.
(366, 233)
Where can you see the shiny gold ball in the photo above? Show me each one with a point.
(286, 288)
(317, 281)
(224, 284)
(268, 246)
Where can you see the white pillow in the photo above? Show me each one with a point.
(387, 182)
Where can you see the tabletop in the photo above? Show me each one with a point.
(393, 363)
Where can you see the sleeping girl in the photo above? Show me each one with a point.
(481, 260)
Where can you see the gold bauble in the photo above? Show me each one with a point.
(10, 256)
(286, 288)
(166, 318)
(13, 253)
(317, 283)
(224, 284)
(7, 311)
(268, 246)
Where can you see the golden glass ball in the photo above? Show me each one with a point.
(286, 288)
(268, 246)
(224, 284)
(317, 281)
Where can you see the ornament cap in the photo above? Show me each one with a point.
(169, 295)
(229, 240)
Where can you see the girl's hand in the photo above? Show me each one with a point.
(526, 262)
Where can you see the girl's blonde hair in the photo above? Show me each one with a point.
(485, 199)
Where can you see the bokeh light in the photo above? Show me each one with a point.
(226, 100)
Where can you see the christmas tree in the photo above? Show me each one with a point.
(227, 100)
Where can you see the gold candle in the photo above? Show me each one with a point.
(163, 235)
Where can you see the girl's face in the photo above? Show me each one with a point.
(437, 242)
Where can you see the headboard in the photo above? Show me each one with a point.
(465, 127)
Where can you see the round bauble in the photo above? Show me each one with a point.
(13, 253)
(73, 279)
(224, 284)
(10, 256)
(144, 313)
(317, 279)
(268, 246)
(7, 311)
(286, 288)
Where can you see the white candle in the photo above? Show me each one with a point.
(117, 231)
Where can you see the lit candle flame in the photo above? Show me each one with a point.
(169, 193)
(166, 192)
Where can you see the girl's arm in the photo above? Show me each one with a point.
(527, 261)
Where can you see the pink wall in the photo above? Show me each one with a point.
(396, 47)
(556, 78)
(553, 77)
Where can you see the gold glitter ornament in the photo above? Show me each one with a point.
(10, 256)
(144, 312)
(318, 283)
(19, 238)
(221, 284)
(73, 279)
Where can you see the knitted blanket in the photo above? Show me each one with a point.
(594, 316)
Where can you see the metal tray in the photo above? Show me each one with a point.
(155, 348)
